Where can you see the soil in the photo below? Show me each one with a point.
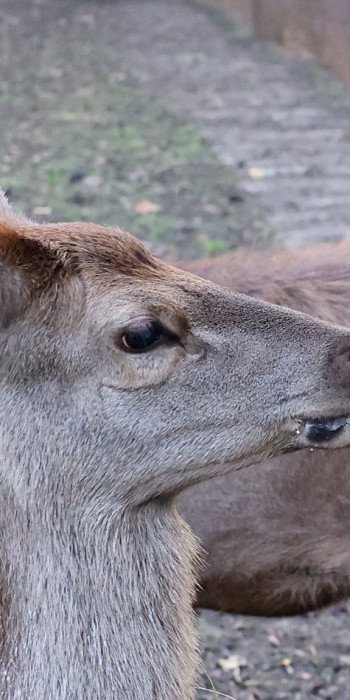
(174, 123)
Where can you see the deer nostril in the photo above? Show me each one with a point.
(340, 365)
(344, 355)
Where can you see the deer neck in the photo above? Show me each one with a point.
(96, 608)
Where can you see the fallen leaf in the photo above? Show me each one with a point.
(67, 116)
(252, 682)
(305, 676)
(256, 173)
(273, 639)
(145, 206)
(210, 208)
(233, 662)
(42, 211)
(285, 662)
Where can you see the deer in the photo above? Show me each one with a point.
(123, 381)
(277, 536)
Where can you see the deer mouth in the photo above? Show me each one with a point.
(333, 431)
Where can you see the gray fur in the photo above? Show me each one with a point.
(97, 567)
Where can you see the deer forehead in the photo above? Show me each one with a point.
(120, 299)
(119, 273)
(121, 278)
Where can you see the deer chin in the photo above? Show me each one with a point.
(325, 432)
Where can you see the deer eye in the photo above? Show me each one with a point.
(143, 336)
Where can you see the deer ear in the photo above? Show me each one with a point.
(14, 292)
(26, 267)
(12, 286)
(15, 279)
(27, 262)
(7, 214)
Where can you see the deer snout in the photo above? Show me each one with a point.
(331, 429)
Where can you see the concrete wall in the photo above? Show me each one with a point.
(316, 28)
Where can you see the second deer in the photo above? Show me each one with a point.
(277, 536)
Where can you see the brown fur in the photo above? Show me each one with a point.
(97, 568)
(105, 249)
(278, 535)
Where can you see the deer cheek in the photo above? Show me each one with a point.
(144, 370)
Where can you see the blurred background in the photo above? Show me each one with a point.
(199, 126)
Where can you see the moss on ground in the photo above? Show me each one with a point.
(112, 154)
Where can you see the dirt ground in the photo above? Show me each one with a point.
(169, 121)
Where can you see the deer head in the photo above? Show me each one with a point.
(140, 378)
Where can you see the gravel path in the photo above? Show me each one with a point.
(282, 122)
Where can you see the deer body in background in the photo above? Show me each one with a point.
(122, 381)
(277, 535)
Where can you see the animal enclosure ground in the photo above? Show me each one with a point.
(106, 108)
